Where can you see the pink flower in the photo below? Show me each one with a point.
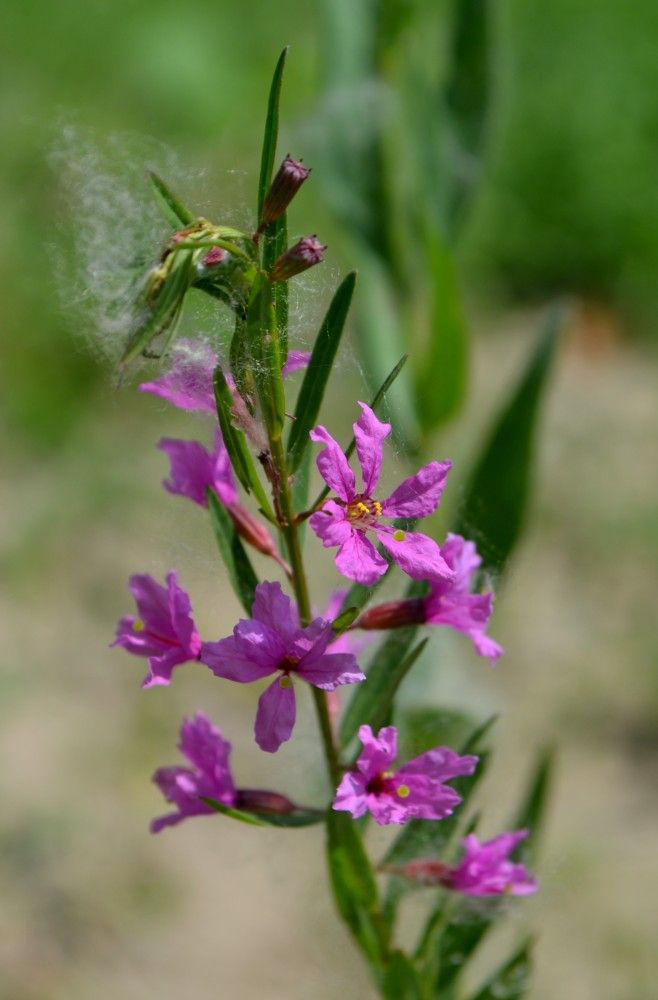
(164, 631)
(485, 869)
(344, 521)
(449, 602)
(414, 791)
(210, 776)
(272, 642)
(452, 603)
(193, 470)
(188, 382)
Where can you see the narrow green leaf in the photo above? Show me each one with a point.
(344, 620)
(242, 817)
(532, 810)
(400, 980)
(236, 445)
(173, 210)
(275, 242)
(353, 884)
(374, 405)
(371, 702)
(238, 565)
(263, 346)
(300, 485)
(441, 373)
(165, 309)
(512, 980)
(271, 134)
(497, 492)
(319, 368)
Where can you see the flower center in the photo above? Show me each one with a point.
(287, 664)
(362, 512)
(380, 783)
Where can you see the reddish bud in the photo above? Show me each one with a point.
(287, 182)
(259, 800)
(423, 871)
(394, 614)
(304, 254)
(215, 256)
(251, 529)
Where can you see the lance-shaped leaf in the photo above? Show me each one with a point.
(263, 346)
(353, 884)
(512, 979)
(236, 445)
(174, 211)
(496, 494)
(371, 702)
(532, 810)
(377, 399)
(238, 565)
(441, 373)
(319, 368)
(468, 87)
(400, 980)
(298, 818)
(163, 313)
(271, 133)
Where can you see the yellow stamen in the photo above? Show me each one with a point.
(399, 536)
(403, 791)
(138, 625)
(285, 681)
(377, 508)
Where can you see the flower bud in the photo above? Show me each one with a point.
(394, 614)
(259, 800)
(304, 254)
(287, 182)
(214, 257)
(422, 871)
(253, 532)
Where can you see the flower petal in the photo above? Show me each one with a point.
(419, 495)
(235, 660)
(275, 609)
(378, 751)
(416, 554)
(275, 717)
(296, 361)
(439, 764)
(188, 383)
(359, 560)
(463, 559)
(369, 435)
(331, 525)
(351, 795)
(330, 670)
(333, 465)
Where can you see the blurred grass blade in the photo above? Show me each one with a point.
(511, 980)
(236, 445)
(532, 810)
(174, 211)
(371, 702)
(496, 494)
(271, 134)
(238, 565)
(442, 371)
(319, 369)
(468, 86)
(400, 980)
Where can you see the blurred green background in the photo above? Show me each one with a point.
(91, 94)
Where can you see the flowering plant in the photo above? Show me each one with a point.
(253, 480)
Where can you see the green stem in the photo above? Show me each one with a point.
(300, 585)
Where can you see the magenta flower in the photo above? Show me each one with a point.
(210, 776)
(417, 790)
(164, 631)
(272, 642)
(452, 603)
(194, 469)
(344, 521)
(188, 382)
(449, 602)
(485, 869)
